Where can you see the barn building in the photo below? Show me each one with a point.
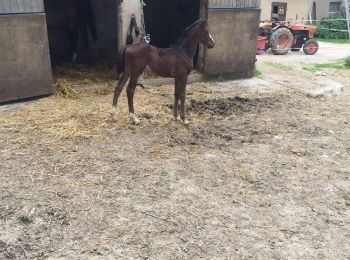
(35, 34)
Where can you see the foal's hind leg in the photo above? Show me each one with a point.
(130, 93)
(182, 87)
(117, 91)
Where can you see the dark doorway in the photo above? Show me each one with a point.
(165, 20)
(69, 23)
(279, 11)
(83, 40)
(84, 27)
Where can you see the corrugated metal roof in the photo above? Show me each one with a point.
(233, 4)
(21, 6)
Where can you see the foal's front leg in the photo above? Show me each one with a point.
(177, 99)
(182, 87)
(117, 91)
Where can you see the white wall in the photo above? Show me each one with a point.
(322, 7)
(296, 9)
(127, 8)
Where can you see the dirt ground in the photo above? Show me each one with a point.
(326, 53)
(262, 172)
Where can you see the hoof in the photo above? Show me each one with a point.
(114, 117)
(177, 118)
(114, 114)
(134, 120)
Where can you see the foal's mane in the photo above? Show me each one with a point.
(188, 28)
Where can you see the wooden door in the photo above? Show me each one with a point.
(25, 69)
(21, 7)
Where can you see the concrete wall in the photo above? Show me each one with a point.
(25, 69)
(299, 9)
(296, 9)
(322, 7)
(234, 32)
(126, 9)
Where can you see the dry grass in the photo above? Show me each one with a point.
(100, 68)
(57, 121)
(64, 88)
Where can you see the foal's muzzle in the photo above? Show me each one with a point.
(211, 45)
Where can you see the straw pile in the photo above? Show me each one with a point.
(63, 88)
(86, 116)
(68, 77)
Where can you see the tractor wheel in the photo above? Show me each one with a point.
(310, 47)
(281, 41)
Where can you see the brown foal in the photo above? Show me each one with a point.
(176, 62)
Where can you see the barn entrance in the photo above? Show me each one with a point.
(165, 20)
(82, 38)
(84, 27)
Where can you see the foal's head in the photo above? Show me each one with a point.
(198, 32)
(205, 37)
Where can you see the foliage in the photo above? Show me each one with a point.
(326, 25)
(257, 73)
(347, 62)
(279, 66)
(337, 41)
(343, 64)
(347, 199)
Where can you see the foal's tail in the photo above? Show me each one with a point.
(120, 61)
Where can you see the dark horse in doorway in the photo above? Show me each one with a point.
(69, 21)
(176, 62)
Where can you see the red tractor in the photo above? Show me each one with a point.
(284, 36)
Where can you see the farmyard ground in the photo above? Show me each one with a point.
(262, 172)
